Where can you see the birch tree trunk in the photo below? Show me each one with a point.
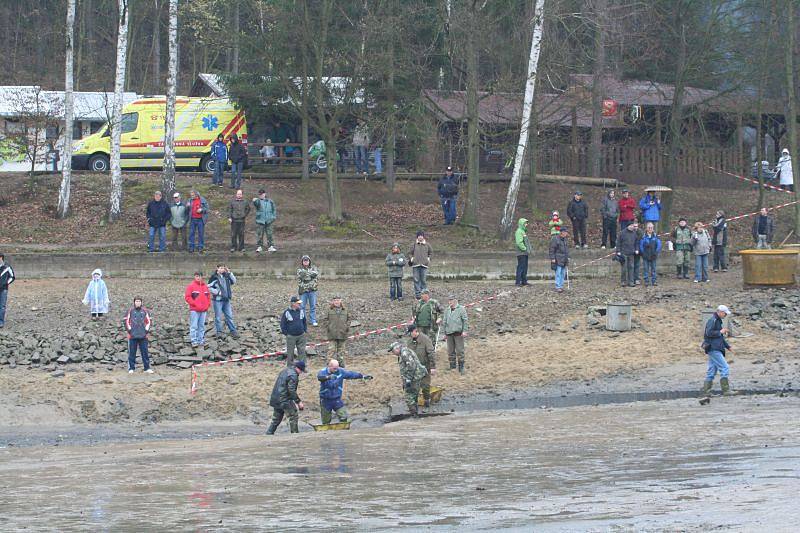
(115, 209)
(675, 120)
(791, 104)
(600, 7)
(507, 222)
(69, 107)
(168, 178)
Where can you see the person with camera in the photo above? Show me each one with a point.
(715, 345)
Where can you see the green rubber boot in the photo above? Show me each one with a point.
(707, 388)
(679, 270)
(293, 426)
(726, 387)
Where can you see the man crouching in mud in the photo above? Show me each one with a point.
(412, 372)
(284, 399)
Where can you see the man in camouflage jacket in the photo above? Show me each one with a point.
(423, 347)
(411, 372)
(427, 313)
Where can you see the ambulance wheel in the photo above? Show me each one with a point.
(207, 165)
(99, 163)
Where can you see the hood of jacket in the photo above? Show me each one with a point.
(98, 272)
(521, 223)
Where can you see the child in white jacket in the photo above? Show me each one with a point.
(96, 296)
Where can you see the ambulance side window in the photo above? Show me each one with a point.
(130, 121)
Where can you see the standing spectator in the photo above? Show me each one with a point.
(524, 250)
(720, 229)
(158, 214)
(559, 256)
(701, 245)
(219, 155)
(650, 205)
(284, 399)
(627, 251)
(238, 211)
(419, 257)
(307, 277)
(267, 152)
(626, 205)
(427, 313)
(455, 325)
(555, 224)
(448, 195)
(637, 259)
(199, 300)
(377, 153)
(578, 212)
(338, 326)
(265, 217)
(198, 214)
(6, 279)
(763, 229)
(395, 261)
(649, 248)
(294, 327)
(137, 326)
(609, 210)
(238, 156)
(96, 295)
(331, 387)
(784, 169)
(714, 344)
(360, 144)
(178, 221)
(422, 346)
(682, 238)
(220, 285)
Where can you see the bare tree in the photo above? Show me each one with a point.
(600, 8)
(791, 102)
(155, 84)
(35, 110)
(506, 223)
(115, 210)
(168, 178)
(69, 108)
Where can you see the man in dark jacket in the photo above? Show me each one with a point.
(714, 344)
(609, 210)
(219, 155)
(331, 387)
(284, 399)
(448, 195)
(763, 229)
(137, 326)
(720, 240)
(239, 209)
(559, 256)
(293, 325)
(421, 345)
(6, 279)
(220, 285)
(627, 251)
(578, 212)
(237, 153)
(158, 214)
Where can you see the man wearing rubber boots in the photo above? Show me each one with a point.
(423, 347)
(714, 344)
(411, 372)
(331, 387)
(455, 326)
(284, 399)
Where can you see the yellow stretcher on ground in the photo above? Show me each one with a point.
(331, 427)
(436, 396)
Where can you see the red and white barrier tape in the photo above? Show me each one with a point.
(767, 185)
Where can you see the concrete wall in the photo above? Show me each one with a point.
(282, 265)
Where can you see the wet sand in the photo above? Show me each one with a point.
(648, 466)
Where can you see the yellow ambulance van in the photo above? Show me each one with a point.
(198, 121)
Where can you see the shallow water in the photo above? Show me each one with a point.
(644, 466)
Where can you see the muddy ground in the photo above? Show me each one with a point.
(548, 346)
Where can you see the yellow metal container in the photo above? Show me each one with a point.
(769, 267)
(436, 396)
(332, 427)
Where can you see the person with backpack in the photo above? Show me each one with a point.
(219, 155)
(649, 248)
(237, 153)
(448, 195)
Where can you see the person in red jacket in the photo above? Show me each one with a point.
(199, 300)
(627, 205)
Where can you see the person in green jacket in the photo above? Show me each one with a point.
(682, 239)
(265, 217)
(395, 261)
(427, 313)
(179, 221)
(524, 250)
(338, 326)
(455, 325)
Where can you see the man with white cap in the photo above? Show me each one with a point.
(714, 344)
(784, 168)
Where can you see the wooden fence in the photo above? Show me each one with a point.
(645, 165)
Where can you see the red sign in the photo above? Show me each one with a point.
(610, 108)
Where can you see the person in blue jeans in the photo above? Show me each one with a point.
(307, 279)
(650, 206)
(219, 155)
(137, 325)
(715, 345)
(158, 214)
(220, 285)
(701, 245)
(649, 248)
(448, 195)
(559, 256)
(237, 153)
(198, 214)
